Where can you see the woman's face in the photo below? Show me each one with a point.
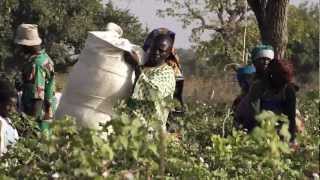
(8, 107)
(261, 64)
(159, 52)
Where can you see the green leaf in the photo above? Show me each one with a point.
(153, 149)
(124, 141)
(135, 154)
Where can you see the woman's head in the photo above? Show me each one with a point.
(27, 50)
(160, 50)
(261, 57)
(8, 99)
(244, 77)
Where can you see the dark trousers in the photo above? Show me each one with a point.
(34, 109)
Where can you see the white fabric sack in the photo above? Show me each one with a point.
(99, 79)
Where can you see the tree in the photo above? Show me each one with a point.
(221, 18)
(63, 25)
(224, 17)
(303, 40)
(271, 16)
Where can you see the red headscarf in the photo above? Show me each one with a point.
(280, 72)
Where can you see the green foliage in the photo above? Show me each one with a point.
(133, 141)
(224, 24)
(205, 146)
(303, 44)
(67, 147)
(26, 126)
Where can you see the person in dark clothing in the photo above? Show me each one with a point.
(249, 106)
(272, 89)
(280, 97)
(244, 77)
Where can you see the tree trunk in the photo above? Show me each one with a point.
(272, 21)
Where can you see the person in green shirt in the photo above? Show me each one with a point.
(156, 83)
(38, 79)
(153, 91)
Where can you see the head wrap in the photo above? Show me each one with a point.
(242, 76)
(174, 62)
(249, 69)
(262, 51)
(154, 33)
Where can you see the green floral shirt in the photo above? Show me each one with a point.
(154, 86)
(38, 81)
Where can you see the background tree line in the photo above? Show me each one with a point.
(226, 31)
(63, 26)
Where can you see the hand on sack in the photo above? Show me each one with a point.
(131, 58)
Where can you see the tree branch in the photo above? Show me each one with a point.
(204, 24)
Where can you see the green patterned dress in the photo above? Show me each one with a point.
(153, 90)
(39, 84)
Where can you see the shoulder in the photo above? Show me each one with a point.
(168, 69)
(3, 122)
(42, 59)
(291, 87)
(290, 90)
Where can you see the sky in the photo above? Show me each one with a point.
(145, 10)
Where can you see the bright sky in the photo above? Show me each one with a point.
(146, 11)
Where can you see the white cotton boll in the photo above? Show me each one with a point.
(104, 136)
(105, 174)
(127, 176)
(110, 130)
(206, 165)
(150, 129)
(55, 175)
(201, 160)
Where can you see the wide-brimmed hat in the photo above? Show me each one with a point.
(27, 34)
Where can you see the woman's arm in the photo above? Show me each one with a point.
(290, 110)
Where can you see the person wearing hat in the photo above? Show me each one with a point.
(262, 55)
(244, 76)
(38, 79)
(250, 104)
(272, 89)
(280, 96)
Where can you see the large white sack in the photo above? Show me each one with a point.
(98, 80)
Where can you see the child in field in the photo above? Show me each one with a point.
(8, 104)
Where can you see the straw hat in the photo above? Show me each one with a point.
(27, 34)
